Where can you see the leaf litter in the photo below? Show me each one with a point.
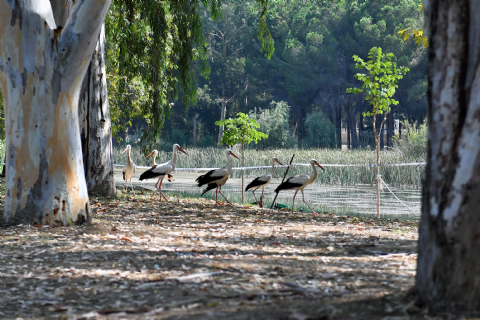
(190, 259)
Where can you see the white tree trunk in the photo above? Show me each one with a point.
(41, 70)
(448, 271)
(95, 125)
(223, 112)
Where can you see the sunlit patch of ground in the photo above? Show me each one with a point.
(190, 259)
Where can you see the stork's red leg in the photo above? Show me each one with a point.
(223, 195)
(255, 196)
(216, 195)
(303, 197)
(293, 203)
(133, 190)
(156, 188)
(261, 197)
(160, 190)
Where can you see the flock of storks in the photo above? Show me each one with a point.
(216, 178)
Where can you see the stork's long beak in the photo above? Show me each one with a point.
(320, 166)
(182, 150)
(233, 154)
(151, 154)
(124, 150)
(279, 162)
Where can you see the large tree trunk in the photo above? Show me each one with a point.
(194, 142)
(41, 69)
(338, 126)
(223, 112)
(448, 271)
(353, 125)
(349, 129)
(95, 125)
(390, 129)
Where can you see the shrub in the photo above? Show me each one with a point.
(413, 142)
(274, 122)
(320, 131)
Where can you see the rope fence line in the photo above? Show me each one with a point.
(294, 164)
(379, 177)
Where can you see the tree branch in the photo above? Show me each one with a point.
(215, 51)
(234, 52)
(245, 87)
(79, 37)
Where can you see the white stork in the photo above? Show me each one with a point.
(162, 170)
(154, 155)
(217, 178)
(299, 182)
(128, 170)
(262, 181)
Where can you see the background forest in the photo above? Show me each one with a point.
(298, 95)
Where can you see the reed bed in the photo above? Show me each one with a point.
(215, 158)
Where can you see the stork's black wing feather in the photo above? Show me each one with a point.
(149, 174)
(287, 185)
(206, 178)
(255, 183)
(208, 188)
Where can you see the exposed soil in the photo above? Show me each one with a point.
(190, 259)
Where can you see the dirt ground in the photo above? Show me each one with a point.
(190, 259)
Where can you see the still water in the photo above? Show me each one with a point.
(344, 200)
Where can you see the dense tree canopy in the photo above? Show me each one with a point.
(311, 66)
(151, 47)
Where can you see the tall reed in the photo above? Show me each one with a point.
(215, 157)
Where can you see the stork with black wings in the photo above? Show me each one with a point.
(218, 177)
(262, 181)
(161, 170)
(299, 182)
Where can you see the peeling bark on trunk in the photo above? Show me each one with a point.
(448, 271)
(41, 70)
(95, 125)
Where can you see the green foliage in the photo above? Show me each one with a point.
(416, 34)
(274, 121)
(240, 129)
(414, 140)
(380, 81)
(152, 48)
(320, 131)
(263, 33)
(312, 39)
